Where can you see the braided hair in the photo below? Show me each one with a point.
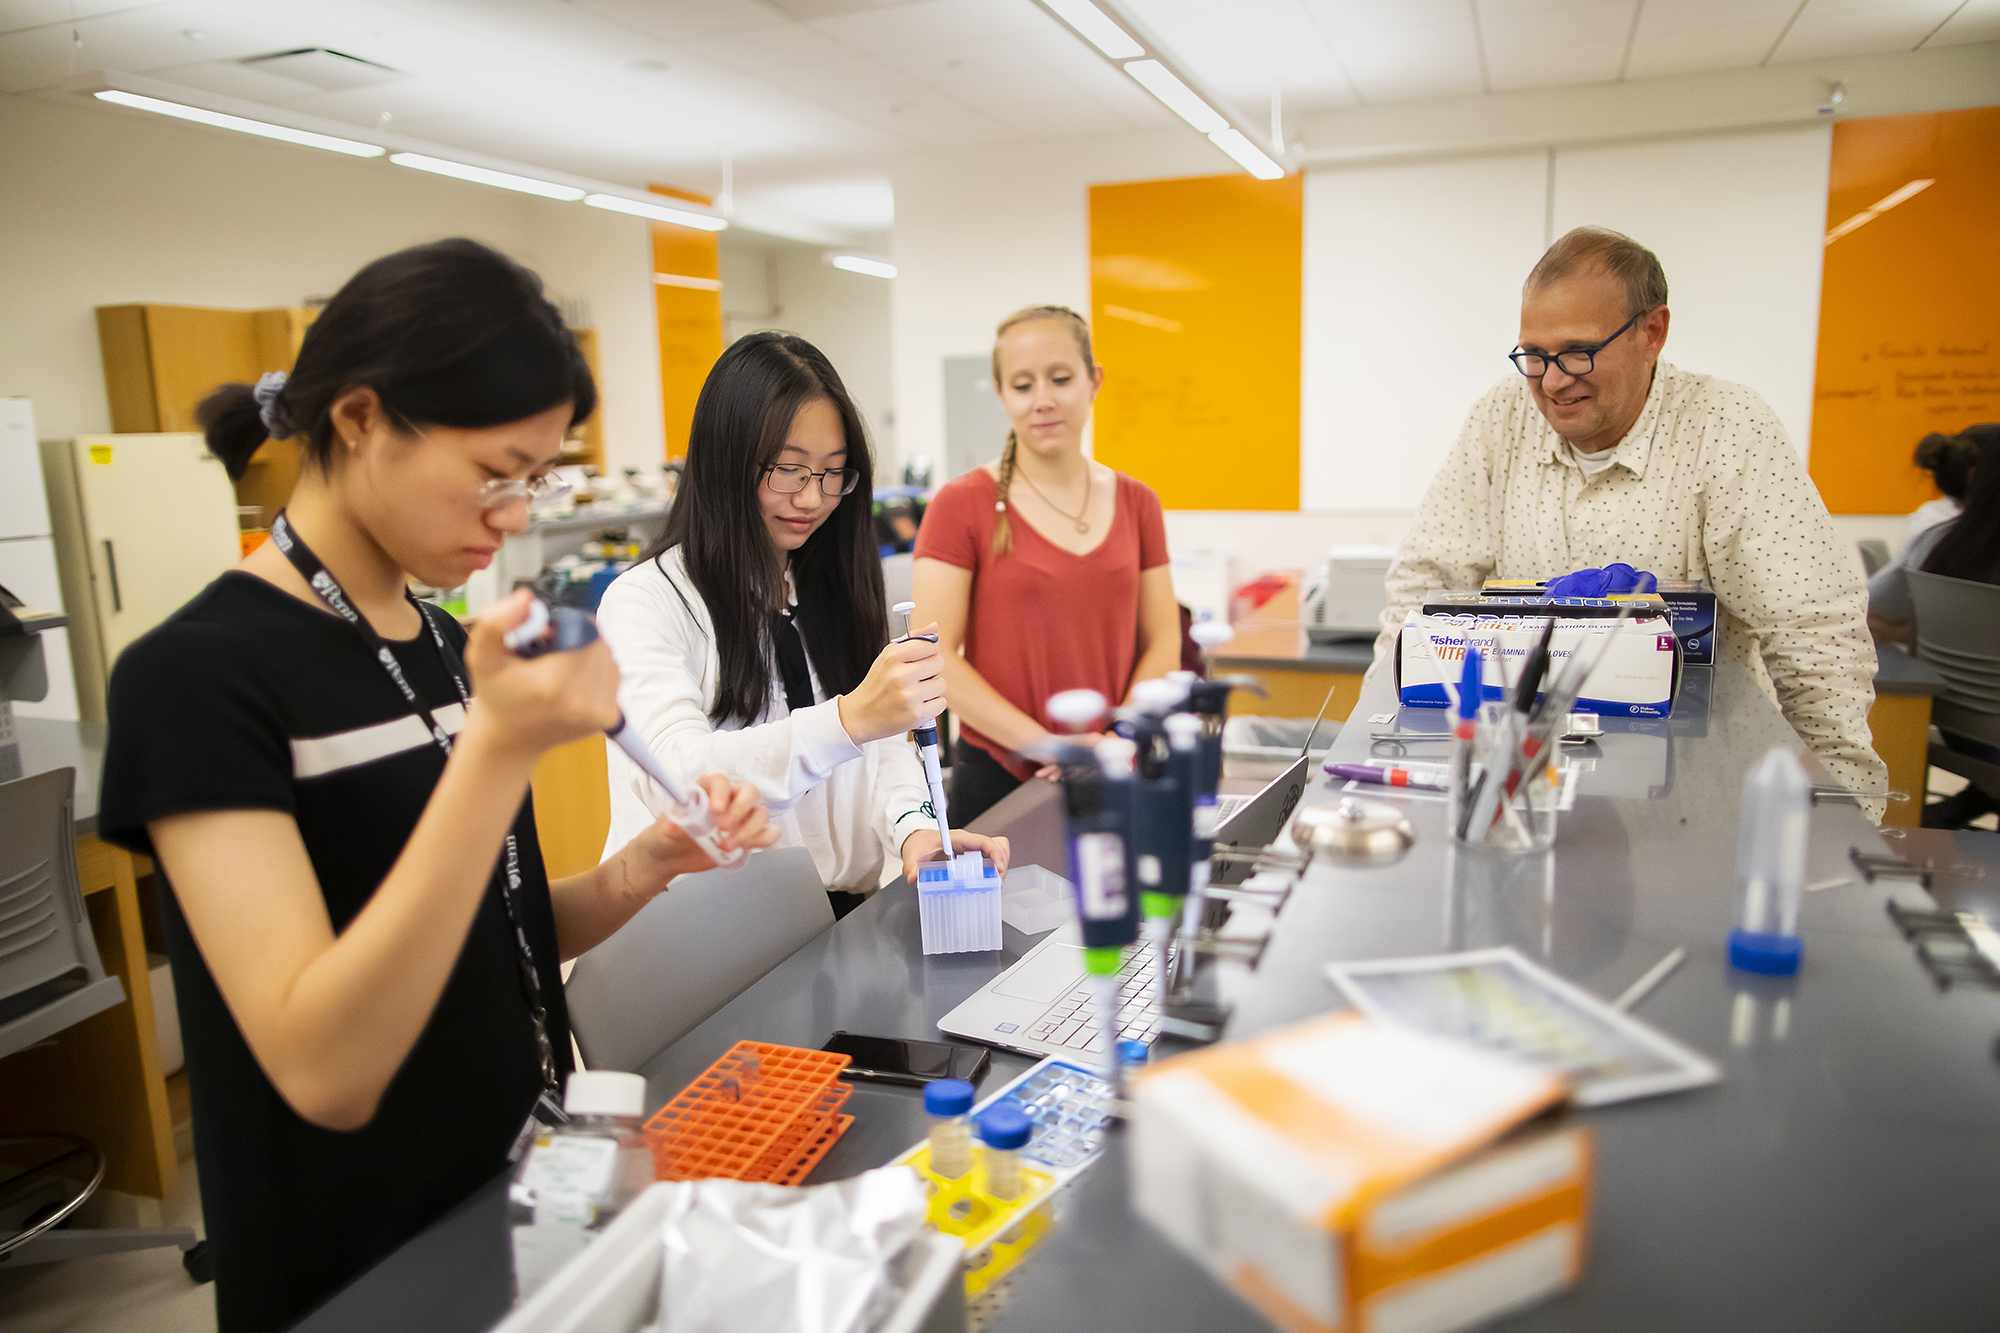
(1003, 529)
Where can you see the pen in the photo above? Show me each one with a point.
(1471, 688)
(1427, 779)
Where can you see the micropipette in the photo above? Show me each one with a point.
(566, 629)
(927, 745)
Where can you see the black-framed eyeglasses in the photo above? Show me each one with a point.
(791, 478)
(1571, 361)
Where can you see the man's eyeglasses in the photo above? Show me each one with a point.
(791, 478)
(503, 491)
(1572, 361)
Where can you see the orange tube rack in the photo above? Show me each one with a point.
(761, 1113)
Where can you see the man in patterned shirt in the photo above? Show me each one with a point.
(1599, 451)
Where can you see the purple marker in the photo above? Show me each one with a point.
(1427, 779)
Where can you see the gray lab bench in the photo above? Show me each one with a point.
(1845, 1174)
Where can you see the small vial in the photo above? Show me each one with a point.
(1132, 1052)
(946, 1101)
(1771, 866)
(1005, 1131)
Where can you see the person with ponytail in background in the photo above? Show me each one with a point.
(1045, 571)
(333, 779)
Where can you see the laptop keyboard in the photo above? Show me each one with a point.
(1227, 806)
(1071, 1022)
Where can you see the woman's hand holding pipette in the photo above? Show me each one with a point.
(529, 705)
(904, 689)
(923, 846)
(649, 862)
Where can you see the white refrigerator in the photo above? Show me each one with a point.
(28, 552)
(141, 524)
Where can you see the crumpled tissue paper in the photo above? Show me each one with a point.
(780, 1259)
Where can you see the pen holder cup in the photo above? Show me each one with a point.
(1523, 821)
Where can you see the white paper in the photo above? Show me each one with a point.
(1499, 1000)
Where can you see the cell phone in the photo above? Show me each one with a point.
(908, 1062)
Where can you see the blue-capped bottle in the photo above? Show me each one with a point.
(1004, 1131)
(1771, 866)
(946, 1101)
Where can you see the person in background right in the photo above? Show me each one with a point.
(1948, 458)
(1048, 569)
(1965, 547)
(1600, 451)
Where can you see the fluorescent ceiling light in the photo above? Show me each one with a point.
(639, 208)
(263, 129)
(1182, 100)
(1097, 29)
(874, 268)
(483, 176)
(1247, 155)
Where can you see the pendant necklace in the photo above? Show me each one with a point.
(1076, 518)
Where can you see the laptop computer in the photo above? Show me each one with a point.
(1042, 1004)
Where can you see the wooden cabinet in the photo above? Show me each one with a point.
(160, 361)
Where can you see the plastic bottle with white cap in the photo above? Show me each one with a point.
(580, 1175)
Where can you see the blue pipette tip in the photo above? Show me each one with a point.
(1470, 684)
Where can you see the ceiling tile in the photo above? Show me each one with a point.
(679, 21)
(1395, 52)
(1861, 27)
(1695, 35)
(771, 48)
(226, 78)
(906, 27)
(1979, 21)
(1547, 43)
(18, 14)
(1242, 50)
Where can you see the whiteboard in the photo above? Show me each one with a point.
(1412, 300)
(1738, 221)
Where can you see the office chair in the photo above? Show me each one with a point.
(50, 979)
(690, 951)
(1874, 555)
(1958, 632)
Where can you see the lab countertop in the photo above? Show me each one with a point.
(47, 745)
(1841, 1176)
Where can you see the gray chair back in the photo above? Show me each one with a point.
(1958, 632)
(1874, 554)
(690, 951)
(50, 973)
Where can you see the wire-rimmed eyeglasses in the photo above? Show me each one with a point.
(511, 490)
(1571, 361)
(791, 478)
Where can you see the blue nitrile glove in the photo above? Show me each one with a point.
(1617, 577)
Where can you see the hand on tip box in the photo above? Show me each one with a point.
(923, 846)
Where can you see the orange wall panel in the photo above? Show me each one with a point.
(687, 297)
(1195, 292)
(1909, 322)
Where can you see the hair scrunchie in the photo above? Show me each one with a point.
(269, 385)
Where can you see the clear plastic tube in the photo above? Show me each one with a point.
(1771, 865)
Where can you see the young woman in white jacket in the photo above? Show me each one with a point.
(753, 638)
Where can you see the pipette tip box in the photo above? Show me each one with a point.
(959, 904)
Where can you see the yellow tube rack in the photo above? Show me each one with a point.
(996, 1232)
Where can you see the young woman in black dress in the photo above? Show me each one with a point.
(334, 781)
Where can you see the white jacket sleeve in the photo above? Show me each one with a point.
(668, 666)
(902, 793)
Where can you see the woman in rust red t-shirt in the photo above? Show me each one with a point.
(1048, 570)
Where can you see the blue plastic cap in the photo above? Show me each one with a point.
(1770, 955)
(1005, 1126)
(948, 1096)
(1132, 1051)
(1471, 684)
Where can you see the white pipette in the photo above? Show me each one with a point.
(689, 808)
(927, 745)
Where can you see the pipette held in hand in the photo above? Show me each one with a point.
(926, 734)
(566, 629)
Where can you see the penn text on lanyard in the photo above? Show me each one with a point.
(328, 590)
